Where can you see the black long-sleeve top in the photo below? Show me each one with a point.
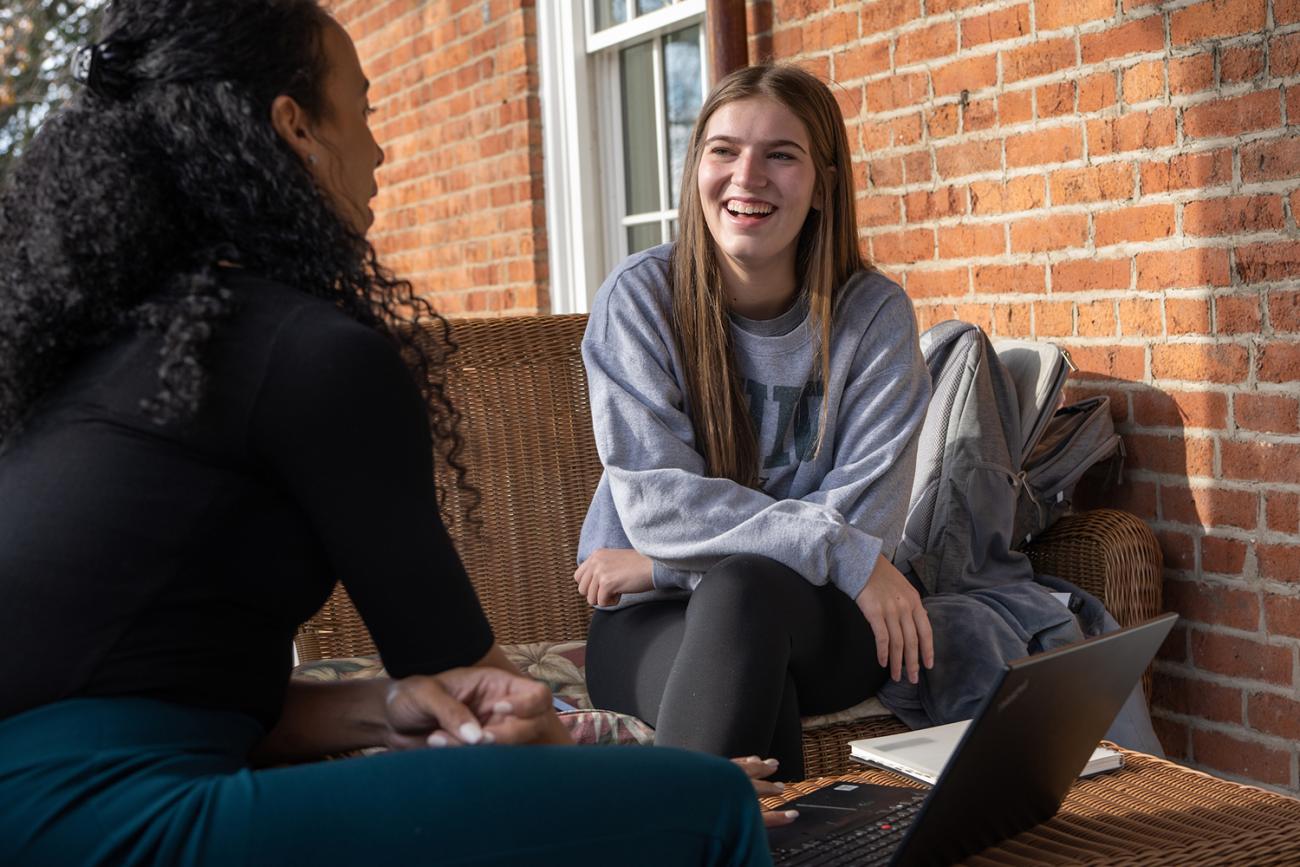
(175, 562)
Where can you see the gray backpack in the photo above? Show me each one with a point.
(997, 462)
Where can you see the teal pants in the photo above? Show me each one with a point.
(136, 781)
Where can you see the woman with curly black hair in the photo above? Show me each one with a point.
(209, 412)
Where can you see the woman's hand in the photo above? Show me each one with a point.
(759, 770)
(902, 628)
(469, 706)
(610, 572)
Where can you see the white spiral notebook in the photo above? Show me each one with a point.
(921, 754)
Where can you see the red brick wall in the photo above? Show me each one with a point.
(1118, 176)
(455, 85)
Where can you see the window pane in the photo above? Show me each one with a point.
(644, 6)
(642, 237)
(640, 148)
(683, 91)
(610, 12)
(672, 230)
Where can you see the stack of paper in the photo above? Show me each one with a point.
(923, 753)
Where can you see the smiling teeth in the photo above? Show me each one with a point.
(750, 207)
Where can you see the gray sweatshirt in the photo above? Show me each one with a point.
(826, 514)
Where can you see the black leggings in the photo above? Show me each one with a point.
(730, 669)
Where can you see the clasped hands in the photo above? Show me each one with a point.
(474, 705)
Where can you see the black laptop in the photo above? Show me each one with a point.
(1011, 770)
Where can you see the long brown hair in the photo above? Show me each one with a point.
(827, 255)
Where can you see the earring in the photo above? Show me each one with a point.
(311, 158)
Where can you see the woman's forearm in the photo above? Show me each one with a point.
(321, 718)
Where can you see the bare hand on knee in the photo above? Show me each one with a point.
(902, 628)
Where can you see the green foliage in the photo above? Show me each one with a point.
(37, 39)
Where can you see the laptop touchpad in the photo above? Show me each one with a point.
(833, 805)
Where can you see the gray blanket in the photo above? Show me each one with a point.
(976, 633)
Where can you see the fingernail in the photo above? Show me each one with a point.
(772, 762)
(780, 787)
(503, 707)
(489, 738)
(471, 732)
(792, 814)
(753, 759)
(437, 739)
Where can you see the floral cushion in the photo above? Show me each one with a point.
(341, 668)
(561, 665)
(604, 727)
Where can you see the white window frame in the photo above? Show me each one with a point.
(579, 69)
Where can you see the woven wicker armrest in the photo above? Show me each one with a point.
(1111, 554)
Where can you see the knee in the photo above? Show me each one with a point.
(747, 586)
(721, 791)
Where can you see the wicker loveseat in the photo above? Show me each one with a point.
(520, 386)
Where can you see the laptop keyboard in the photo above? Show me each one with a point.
(870, 841)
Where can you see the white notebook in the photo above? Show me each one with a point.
(923, 753)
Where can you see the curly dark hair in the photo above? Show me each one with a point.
(119, 212)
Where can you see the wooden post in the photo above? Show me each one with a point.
(728, 36)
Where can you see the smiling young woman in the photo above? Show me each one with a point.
(757, 184)
(757, 394)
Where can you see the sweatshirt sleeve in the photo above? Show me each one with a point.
(685, 521)
(878, 429)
